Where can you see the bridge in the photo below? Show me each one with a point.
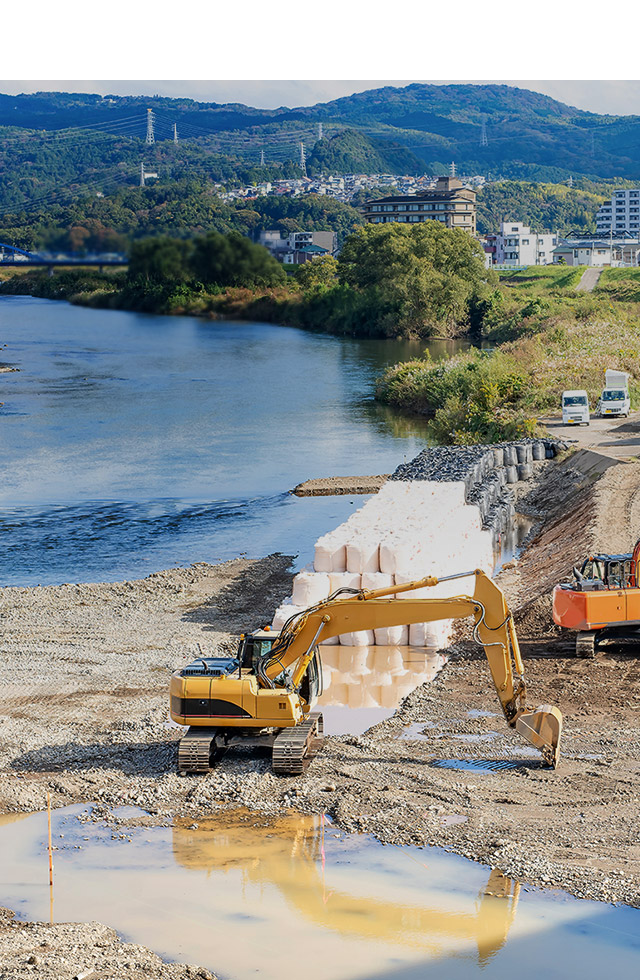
(11, 255)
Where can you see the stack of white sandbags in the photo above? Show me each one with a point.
(407, 531)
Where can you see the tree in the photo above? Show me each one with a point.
(425, 275)
(318, 273)
(160, 260)
(232, 260)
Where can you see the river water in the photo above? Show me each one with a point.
(134, 442)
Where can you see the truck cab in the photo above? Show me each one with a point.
(614, 399)
(575, 407)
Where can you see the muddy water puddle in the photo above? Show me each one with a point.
(246, 897)
(365, 685)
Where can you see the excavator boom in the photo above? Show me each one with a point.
(494, 630)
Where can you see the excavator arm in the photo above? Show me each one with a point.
(494, 630)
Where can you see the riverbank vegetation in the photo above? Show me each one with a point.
(389, 281)
(559, 339)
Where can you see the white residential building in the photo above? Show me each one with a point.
(621, 215)
(517, 245)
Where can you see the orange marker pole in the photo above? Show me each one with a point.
(50, 860)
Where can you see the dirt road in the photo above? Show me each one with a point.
(616, 438)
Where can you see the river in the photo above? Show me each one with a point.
(134, 442)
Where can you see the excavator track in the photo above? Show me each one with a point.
(294, 748)
(195, 750)
(586, 645)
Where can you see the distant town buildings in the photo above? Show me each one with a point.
(300, 246)
(448, 201)
(517, 245)
(610, 250)
(621, 214)
(342, 188)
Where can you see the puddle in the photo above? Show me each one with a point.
(484, 765)
(511, 542)
(365, 685)
(245, 899)
(415, 731)
(481, 737)
(452, 819)
(480, 713)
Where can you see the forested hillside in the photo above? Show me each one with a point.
(528, 135)
(182, 208)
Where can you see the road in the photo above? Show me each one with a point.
(588, 280)
(616, 438)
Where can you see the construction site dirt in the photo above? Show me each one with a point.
(83, 710)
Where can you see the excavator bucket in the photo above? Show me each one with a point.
(542, 728)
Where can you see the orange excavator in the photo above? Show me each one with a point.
(266, 693)
(602, 604)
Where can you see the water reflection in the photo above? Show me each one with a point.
(289, 854)
(364, 685)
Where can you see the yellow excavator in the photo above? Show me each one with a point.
(266, 693)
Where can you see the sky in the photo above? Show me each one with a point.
(614, 97)
(248, 47)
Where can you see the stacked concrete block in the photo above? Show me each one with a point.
(441, 514)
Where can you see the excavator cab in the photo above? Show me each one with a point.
(600, 572)
(257, 646)
(602, 603)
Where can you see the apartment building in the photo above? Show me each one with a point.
(621, 214)
(299, 246)
(449, 202)
(516, 245)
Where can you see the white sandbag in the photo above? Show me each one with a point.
(330, 553)
(392, 636)
(283, 613)
(344, 580)
(362, 554)
(377, 580)
(395, 553)
(309, 588)
(434, 634)
(361, 638)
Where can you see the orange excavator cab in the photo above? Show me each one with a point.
(602, 604)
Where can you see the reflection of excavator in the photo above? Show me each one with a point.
(272, 684)
(289, 856)
(602, 603)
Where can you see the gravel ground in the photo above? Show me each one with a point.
(335, 485)
(84, 716)
(87, 951)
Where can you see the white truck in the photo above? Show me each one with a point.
(575, 407)
(614, 399)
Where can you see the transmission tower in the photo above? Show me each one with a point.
(570, 181)
(142, 174)
(175, 133)
(452, 169)
(483, 134)
(319, 130)
(303, 160)
(150, 136)
(262, 158)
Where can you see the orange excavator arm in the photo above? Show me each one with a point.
(365, 610)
